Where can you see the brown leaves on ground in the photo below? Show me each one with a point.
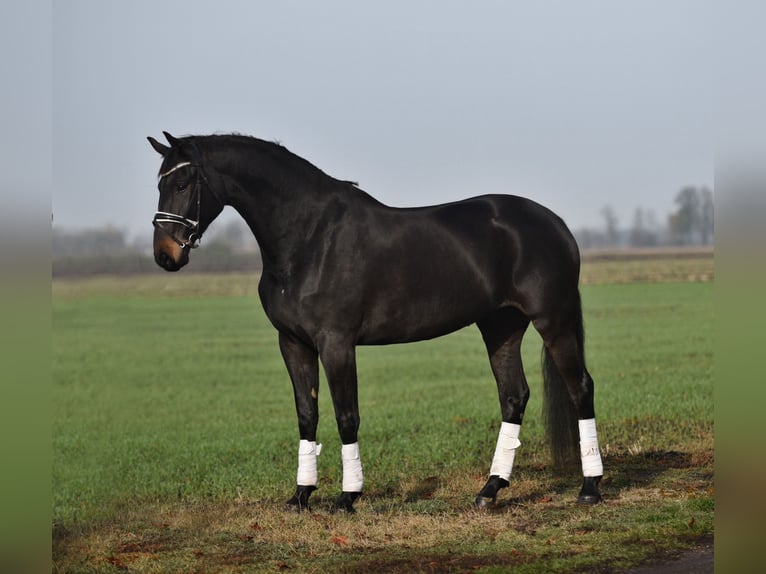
(339, 540)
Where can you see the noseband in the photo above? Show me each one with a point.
(162, 217)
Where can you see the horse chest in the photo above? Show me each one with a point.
(278, 302)
(290, 308)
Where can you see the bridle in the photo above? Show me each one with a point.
(163, 217)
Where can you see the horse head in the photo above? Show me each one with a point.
(187, 204)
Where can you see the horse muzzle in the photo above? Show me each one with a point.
(168, 254)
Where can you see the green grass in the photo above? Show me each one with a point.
(174, 430)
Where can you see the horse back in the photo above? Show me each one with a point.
(388, 275)
(424, 272)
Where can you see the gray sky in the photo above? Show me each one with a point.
(573, 104)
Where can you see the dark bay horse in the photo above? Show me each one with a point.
(341, 269)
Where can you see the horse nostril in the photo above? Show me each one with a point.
(165, 261)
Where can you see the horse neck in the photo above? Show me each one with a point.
(282, 206)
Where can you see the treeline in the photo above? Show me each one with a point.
(690, 224)
(109, 251)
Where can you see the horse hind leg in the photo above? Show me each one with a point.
(503, 332)
(568, 401)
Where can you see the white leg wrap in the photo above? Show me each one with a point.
(308, 451)
(353, 479)
(505, 451)
(589, 453)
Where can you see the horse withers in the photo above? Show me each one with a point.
(341, 269)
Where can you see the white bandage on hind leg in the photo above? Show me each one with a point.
(589, 453)
(505, 451)
(353, 479)
(308, 451)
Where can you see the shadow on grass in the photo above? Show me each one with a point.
(622, 473)
(552, 487)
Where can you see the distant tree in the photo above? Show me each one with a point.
(688, 202)
(88, 242)
(611, 222)
(651, 221)
(588, 238)
(641, 235)
(706, 216)
(692, 222)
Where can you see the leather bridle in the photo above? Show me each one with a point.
(192, 225)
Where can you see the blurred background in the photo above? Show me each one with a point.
(601, 111)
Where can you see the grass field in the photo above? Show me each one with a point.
(175, 439)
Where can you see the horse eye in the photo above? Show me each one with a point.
(182, 186)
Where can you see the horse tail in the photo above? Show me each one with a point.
(559, 414)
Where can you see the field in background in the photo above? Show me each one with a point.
(650, 265)
(175, 436)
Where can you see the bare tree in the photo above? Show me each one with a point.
(611, 222)
(706, 215)
(641, 235)
(693, 221)
(685, 220)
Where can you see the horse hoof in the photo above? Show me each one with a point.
(484, 502)
(589, 499)
(345, 502)
(300, 500)
(589, 492)
(341, 508)
(295, 505)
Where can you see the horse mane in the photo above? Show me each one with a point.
(273, 149)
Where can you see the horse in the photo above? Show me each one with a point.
(341, 269)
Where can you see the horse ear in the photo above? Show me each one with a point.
(174, 142)
(161, 149)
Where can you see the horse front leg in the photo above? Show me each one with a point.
(339, 360)
(303, 367)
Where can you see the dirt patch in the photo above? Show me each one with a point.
(436, 563)
(698, 560)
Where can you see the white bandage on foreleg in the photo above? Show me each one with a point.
(308, 451)
(353, 479)
(589, 453)
(505, 451)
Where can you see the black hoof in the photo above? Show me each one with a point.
(484, 502)
(589, 499)
(300, 500)
(589, 493)
(346, 501)
(488, 495)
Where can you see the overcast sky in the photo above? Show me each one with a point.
(577, 105)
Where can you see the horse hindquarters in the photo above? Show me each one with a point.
(549, 275)
(568, 396)
(543, 289)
